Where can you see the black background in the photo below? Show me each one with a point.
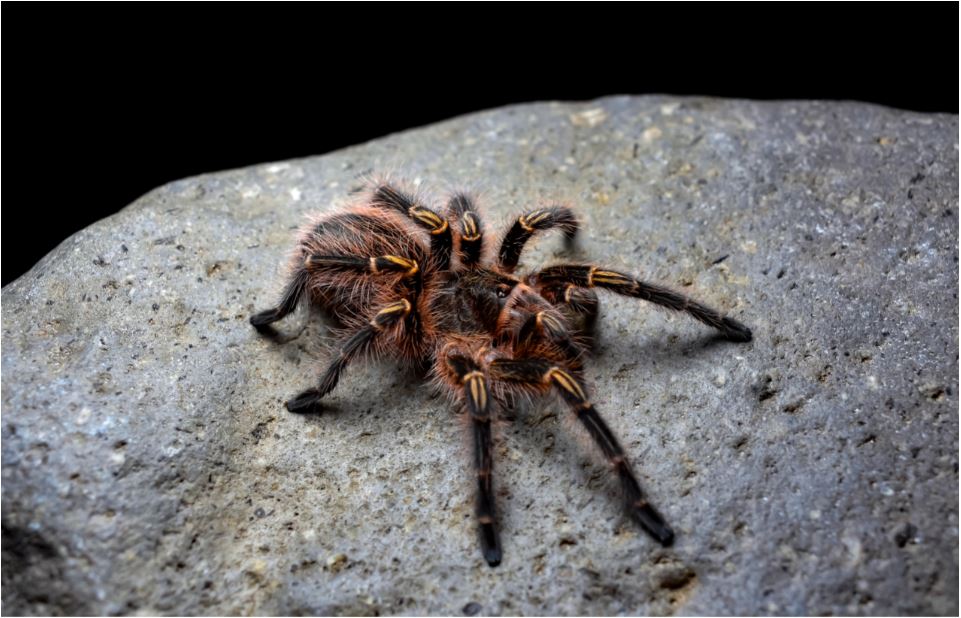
(104, 103)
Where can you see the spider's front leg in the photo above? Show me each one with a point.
(385, 319)
(530, 223)
(586, 276)
(540, 373)
(476, 396)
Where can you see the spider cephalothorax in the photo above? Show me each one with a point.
(421, 286)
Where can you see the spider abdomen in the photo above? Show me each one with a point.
(364, 232)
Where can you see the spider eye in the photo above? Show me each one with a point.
(503, 290)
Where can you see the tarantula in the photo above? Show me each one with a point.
(411, 283)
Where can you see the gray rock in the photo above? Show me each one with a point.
(149, 465)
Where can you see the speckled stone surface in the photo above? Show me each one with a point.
(149, 465)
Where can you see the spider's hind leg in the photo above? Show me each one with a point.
(388, 316)
(295, 290)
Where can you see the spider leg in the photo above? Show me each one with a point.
(593, 277)
(581, 307)
(384, 265)
(385, 318)
(550, 326)
(526, 320)
(477, 397)
(541, 373)
(527, 225)
(297, 285)
(461, 208)
(379, 265)
(295, 289)
(386, 196)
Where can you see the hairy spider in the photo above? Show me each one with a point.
(421, 286)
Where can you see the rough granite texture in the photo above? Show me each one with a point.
(149, 465)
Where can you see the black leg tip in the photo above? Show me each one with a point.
(263, 318)
(262, 321)
(493, 556)
(666, 538)
(490, 544)
(653, 524)
(307, 401)
(661, 532)
(735, 331)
